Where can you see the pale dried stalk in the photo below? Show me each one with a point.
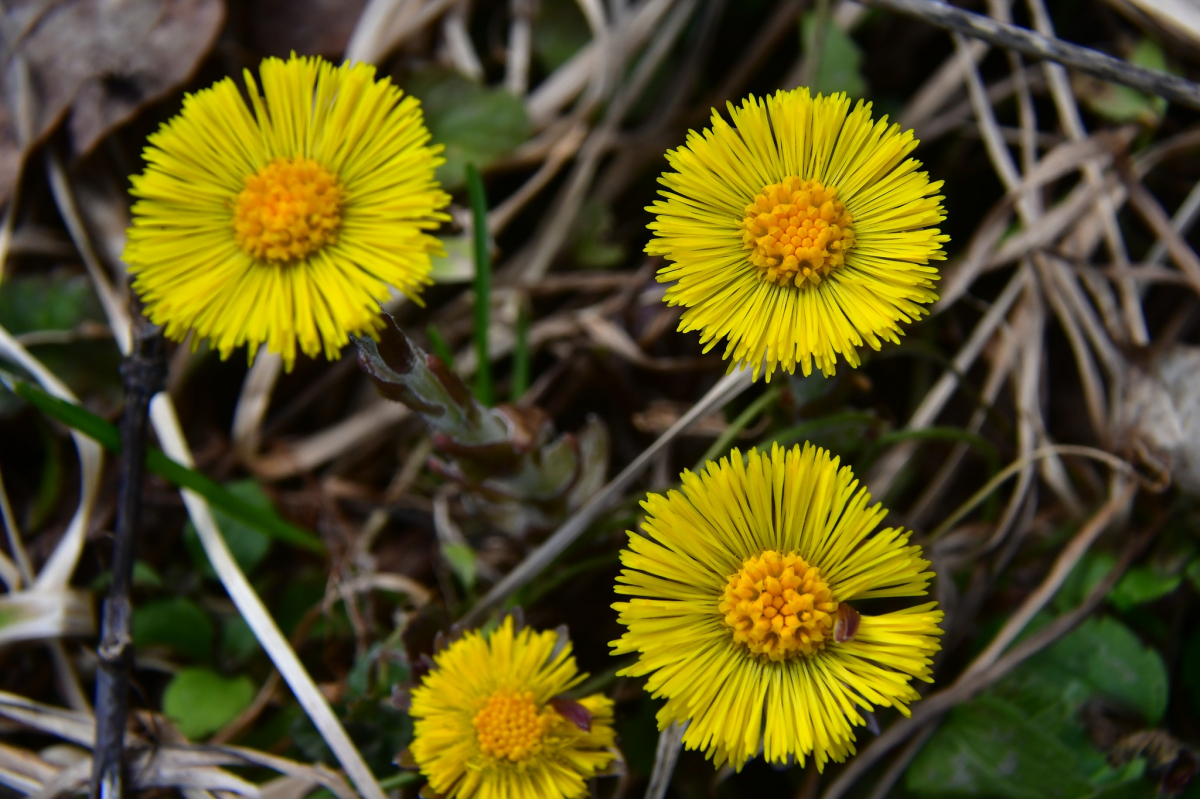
(520, 47)
(386, 24)
(57, 571)
(726, 389)
(981, 254)
(1181, 222)
(553, 233)
(170, 435)
(552, 95)
(1011, 37)
(1028, 209)
(1153, 214)
(939, 88)
(458, 42)
(666, 755)
(353, 431)
(563, 150)
(1002, 365)
(110, 299)
(1063, 564)
(1072, 122)
(1093, 389)
(887, 467)
(22, 567)
(253, 402)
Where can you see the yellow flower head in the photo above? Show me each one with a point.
(285, 221)
(488, 721)
(798, 232)
(741, 610)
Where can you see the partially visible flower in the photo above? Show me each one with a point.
(797, 233)
(740, 609)
(287, 221)
(490, 721)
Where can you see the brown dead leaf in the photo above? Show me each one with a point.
(1159, 417)
(94, 61)
(310, 27)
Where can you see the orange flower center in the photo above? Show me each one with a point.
(288, 210)
(778, 606)
(510, 727)
(797, 231)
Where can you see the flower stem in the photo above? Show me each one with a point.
(483, 285)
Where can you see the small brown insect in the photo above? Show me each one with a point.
(846, 626)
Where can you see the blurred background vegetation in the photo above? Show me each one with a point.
(566, 108)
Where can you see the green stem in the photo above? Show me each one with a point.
(802, 431)
(440, 347)
(107, 435)
(737, 425)
(483, 285)
(521, 356)
(974, 440)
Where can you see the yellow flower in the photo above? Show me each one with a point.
(488, 721)
(740, 612)
(285, 221)
(797, 233)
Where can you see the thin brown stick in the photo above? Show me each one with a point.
(1153, 214)
(1011, 37)
(142, 374)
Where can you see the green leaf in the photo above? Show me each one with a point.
(43, 301)
(1105, 658)
(457, 265)
(991, 747)
(144, 576)
(1024, 737)
(107, 435)
(1142, 584)
(1086, 575)
(477, 194)
(1189, 672)
(248, 545)
(238, 642)
(461, 559)
(476, 124)
(559, 32)
(375, 672)
(1193, 574)
(200, 701)
(591, 235)
(1123, 104)
(840, 56)
(177, 623)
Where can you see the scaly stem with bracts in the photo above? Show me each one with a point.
(142, 375)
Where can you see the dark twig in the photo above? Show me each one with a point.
(1035, 45)
(142, 375)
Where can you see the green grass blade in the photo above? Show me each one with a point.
(107, 435)
(977, 442)
(723, 442)
(521, 357)
(483, 285)
(440, 347)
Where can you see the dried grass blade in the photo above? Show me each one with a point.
(726, 389)
(58, 569)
